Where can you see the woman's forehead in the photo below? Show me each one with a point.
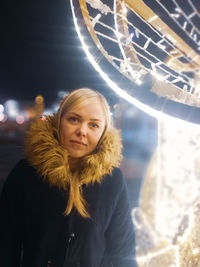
(91, 102)
(92, 109)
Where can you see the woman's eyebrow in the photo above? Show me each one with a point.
(76, 114)
(96, 120)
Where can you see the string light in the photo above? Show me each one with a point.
(95, 19)
(182, 13)
(166, 198)
(152, 18)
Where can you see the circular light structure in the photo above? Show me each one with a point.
(146, 51)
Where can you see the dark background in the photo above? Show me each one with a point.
(40, 52)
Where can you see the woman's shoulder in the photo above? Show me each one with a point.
(19, 172)
(115, 176)
(13, 182)
(22, 166)
(114, 180)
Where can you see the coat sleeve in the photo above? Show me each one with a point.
(120, 235)
(10, 228)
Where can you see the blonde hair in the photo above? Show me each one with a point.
(84, 96)
(76, 98)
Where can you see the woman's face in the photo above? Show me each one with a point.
(81, 128)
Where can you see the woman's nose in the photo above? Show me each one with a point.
(82, 130)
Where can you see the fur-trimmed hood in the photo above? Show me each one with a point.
(50, 159)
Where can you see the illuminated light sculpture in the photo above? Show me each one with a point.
(153, 60)
(165, 219)
(148, 53)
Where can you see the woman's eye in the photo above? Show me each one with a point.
(73, 119)
(94, 125)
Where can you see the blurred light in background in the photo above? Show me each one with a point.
(1, 108)
(12, 108)
(48, 112)
(20, 119)
(3, 117)
(55, 107)
(39, 100)
(62, 94)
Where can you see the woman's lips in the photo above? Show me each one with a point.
(77, 142)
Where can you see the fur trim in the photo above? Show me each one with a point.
(51, 160)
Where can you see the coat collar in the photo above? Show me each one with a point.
(50, 159)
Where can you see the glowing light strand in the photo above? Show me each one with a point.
(137, 45)
(143, 34)
(162, 38)
(186, 19)
(194, 8)
(176, 78)
(191, 89)
(170, 44)
(145, 47)
(177, 231)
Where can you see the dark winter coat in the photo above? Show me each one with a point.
(34, 232)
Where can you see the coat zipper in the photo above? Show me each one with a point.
(67, 249)
(69, 241)
(49, 264)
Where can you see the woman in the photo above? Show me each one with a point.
(66, 204)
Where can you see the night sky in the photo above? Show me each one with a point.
(40, 52)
